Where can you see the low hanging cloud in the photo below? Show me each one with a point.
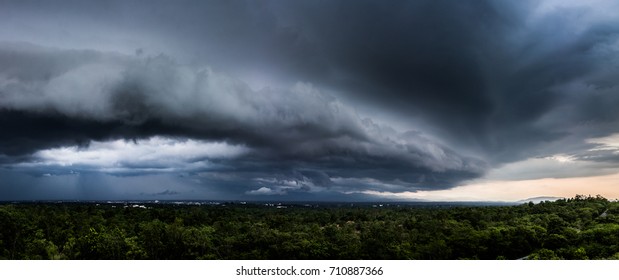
(82, 107)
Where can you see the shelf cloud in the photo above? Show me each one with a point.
(305, 99)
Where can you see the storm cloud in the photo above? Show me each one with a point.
(289, 99)
(76, 97)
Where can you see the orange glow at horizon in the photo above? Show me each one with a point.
(605, 185)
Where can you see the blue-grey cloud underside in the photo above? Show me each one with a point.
(296, 99)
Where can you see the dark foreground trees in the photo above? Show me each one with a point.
(577, 228)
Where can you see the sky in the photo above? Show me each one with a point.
(308, 100)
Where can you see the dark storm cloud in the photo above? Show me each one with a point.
(480, 73)
(297, 134)
(483, 72)
(497, 81)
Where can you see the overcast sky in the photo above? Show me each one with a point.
(308, 100)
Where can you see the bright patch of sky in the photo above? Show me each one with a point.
(153, 154)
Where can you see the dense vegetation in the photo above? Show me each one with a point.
(578, 228)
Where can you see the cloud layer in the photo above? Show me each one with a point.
(73, 110)
(311, 97)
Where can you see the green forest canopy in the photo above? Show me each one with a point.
(583, 227)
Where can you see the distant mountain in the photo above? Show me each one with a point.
(539, 199)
